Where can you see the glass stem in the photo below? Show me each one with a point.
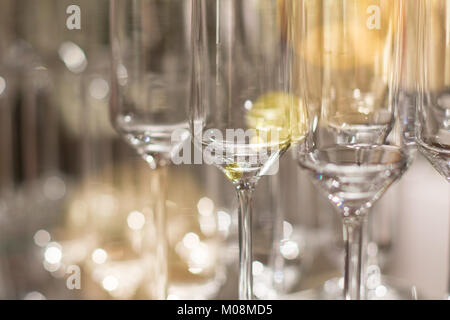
(353, 244)
(245, 193)
(448, 271)
(159, 188)
(276, 259)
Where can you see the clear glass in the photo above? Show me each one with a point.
(151, 50)
(346, 70)
(241, 114)
(7, 32)
(8, 163)
(433, 116)
(281, 255)
(433, 121)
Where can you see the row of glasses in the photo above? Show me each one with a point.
(66, 131)
(239, 82)
(257, 77)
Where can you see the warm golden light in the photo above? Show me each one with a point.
(110, 283)
(136, 220)
(205, 206)
(99, 256)
(224, 222)
(191, 240)
(53, 254)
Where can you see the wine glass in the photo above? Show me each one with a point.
(433, 116)
(347, 68)
(433, 108)
(241, 116)
(151, 50)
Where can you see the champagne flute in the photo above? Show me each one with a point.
(150, 90)
(241, 110)
(433, 108)
(349, 55)
(433, 116)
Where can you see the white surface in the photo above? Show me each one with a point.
(421, 249)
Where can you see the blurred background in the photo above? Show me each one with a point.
(74, 198)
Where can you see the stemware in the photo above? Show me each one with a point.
(241, 110)
(347, 68)
(7, 158)
(433, 107)
(433, 116)
(151, 50)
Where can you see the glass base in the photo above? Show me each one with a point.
(387, 289)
